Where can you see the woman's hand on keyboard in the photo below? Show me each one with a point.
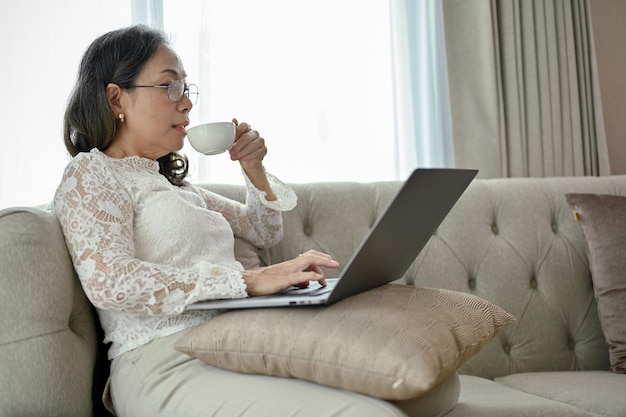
(296, 272)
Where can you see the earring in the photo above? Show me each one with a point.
(121, 117)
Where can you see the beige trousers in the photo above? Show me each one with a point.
(156, 380)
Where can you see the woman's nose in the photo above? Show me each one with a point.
(185, 104)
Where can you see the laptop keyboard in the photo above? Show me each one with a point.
(314, 288)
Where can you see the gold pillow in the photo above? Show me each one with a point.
(395, 342)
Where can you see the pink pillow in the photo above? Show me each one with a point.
(247, 254)
(603, 220)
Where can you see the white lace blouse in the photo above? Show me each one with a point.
(144, 249)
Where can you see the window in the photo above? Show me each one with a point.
(313, 77)
(322, 80)
(42, 44)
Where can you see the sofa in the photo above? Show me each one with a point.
(513, 242)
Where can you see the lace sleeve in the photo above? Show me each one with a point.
(96, 216)
(259, 221)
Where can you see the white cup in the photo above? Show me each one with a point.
(212, 138)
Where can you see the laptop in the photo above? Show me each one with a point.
(387, 251)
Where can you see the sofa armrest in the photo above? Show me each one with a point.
(47, 331)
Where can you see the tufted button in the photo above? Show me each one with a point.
(307, 230)
(554, 227)
(471, 283)
(571, 344)
(494, 229)
(533, 283)
(506, 348)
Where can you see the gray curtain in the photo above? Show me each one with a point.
(522, 88)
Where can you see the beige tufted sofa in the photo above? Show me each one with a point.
(511, 241)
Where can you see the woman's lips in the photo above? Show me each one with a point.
(181, 128)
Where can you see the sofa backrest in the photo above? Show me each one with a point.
(47, 332)
(511, 241)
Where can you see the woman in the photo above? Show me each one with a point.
(145, 243)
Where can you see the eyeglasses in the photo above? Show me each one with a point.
(176, 89)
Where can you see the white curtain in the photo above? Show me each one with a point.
(42, 43)
(422, 115)
(147, 12)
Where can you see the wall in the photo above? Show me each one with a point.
(609, 32)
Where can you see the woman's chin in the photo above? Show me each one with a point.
(178, 144)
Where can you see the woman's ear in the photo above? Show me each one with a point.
(114, 96)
